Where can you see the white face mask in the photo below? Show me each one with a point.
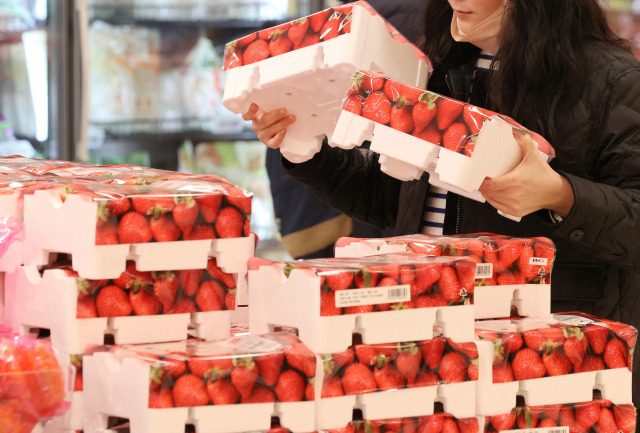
(484, 35)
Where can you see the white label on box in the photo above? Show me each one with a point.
(540, 261)
(373, 296)
(558, 429)
(484, 270)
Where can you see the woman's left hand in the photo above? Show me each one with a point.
(531, 186)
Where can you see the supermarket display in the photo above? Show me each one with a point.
(284, 66)
(415, 130)
(513, 274)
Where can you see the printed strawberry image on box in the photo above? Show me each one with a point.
(397, 380)
(306, 66)
(415, 130)
(389, 298)
(557, 359)
(513, 274)
(234, 385)
(136, 307)
(590, 417)
(160, 223)
(436, 423)
(32, 386)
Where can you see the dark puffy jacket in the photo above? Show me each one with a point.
(597, 270)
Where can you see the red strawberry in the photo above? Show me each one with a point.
(86, 308)
(388, 377)
(366, 278)
(556, 363)
(508, 252)
(181, 306)
(133, 279)
(455, 137)
(229, 223)
(431, 300)
(504, 422)
(469, 349)
(153, 204)
(211, 368)
(372, 83)
(112, 301)
(260, 394)
(540, 339)
(376, 107)
(310, 391)
(353, 104)
(134, 228)
(575, 346)
(308, 40)
(508, 278)
(165, 288)
(339, 280)
(528, 270)
(408, 361)
(232, 58)
(301, 358)
(590, 363)
(358, 379)
(427, 378)
(401, 119)
(332, 388)
(587, 414)
(255, 52)
(165, 229)
(432, 351)
(190, 280)
(174, 367)
(336, 361)
(424, 111)
(222, 391)
(272, 32)
(185, 214)
(474, 117)
(216, 272)
(431, 424)
(615, 354)
(606, 423)
(568, 418)
(290, 386)
(448, 111)
(328, 304)
(297, 30)
(453, 368)
(430, 134)
(527, 364)
(189, 390)
(107, 234)
(317, 20)
(545, 250)
(597, 336)
(160, 398)
(280, 44)
(470, 145)
(502, 373)
(359, 309)
(270, 365)
(449, 285)
(625, 416)
(244, 375)
(245, 41)
(331, 29)
(402, 94)
(210, 296)
(426, 277)
(209, 206)
(144, 304)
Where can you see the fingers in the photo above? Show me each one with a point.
(270, 127)
(252, 114)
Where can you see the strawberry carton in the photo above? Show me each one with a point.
(512, 273)
(436, 423)
(286, 65)
(160, 223)
(137, 307)
(233, 385)
(388, 298)
(592, 416)
(556, 359)
(414, 131)
(397, 380)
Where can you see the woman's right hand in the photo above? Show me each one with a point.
(271, 127)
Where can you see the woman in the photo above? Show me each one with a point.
(560, 71)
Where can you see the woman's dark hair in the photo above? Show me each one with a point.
(541, 58)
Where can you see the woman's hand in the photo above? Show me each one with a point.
(531, 186)
(271, 127)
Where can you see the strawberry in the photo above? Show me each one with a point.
(551, 411)
(556, 363)
(402, 94)
(474, 117)
(401, 119)
(568, 418)
(431, 424)
(369, 354)
(587, 414)
(606, 423)
(345, 25)
(508, 252)
(270, 365)
(424, 111)
(209, 206)
(181, 306)
(331, 29)
(615, 354)
(211, 368)
(230, 299)
(190, 280)
(260, 394)
(189, 390)
(466, 273)
(426, 378)
(454, 137)
(545, 250)
(160, 398)
(134, 228)
(625, 416)
(408, 361)
(335, 361)
(331, 388)
(377, 108)
(575, 346)
(511, 341)
(470, 146)
(328, 304)
(272, 32)
(185, 214)
(590, 363)
(339, 280)
(153, 203)
(527, 364)
(107, 234)
(359, 309)
(165, 288)
(232, 58)
(432, 351)
(453, 368)
(115, 205)
(317, 20)
(308, 40)
(426, 277)
(229, 223)
(353, 104)
(144, 304)
(469, 349)
(131, 278)
(279, 44)
(491, 256)
(372, 83)
(256, 51)
(449, 285)
(391, 271)
(540, 339)
(366, 278)
(358, 379)
(297, 30)
(529, 271)
(290, 386)
(504, 422)
(210, 296)
(508, 278)
(448, 111)
(547, 423)
(301, 358)
(86, 308)
(112, 301)
(216, 272)
(310, 390)
(431, 300)
(246, 40)
(244, 375)
(388, 377)
(221, 391)
(165, 229)
(469, 425)
(502, 373)
(597, 336)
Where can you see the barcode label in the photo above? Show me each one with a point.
(373, 296)
(484, 270)
(558, 429)
(540, 261)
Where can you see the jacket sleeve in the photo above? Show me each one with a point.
(605, 219)
(351, 182)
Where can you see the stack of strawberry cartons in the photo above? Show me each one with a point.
(372, 322)
(143, 260)
(306, 66)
